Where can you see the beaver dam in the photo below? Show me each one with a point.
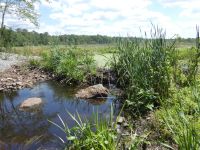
(30, 129)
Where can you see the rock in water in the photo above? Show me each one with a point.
(31, 103)
(92, 92)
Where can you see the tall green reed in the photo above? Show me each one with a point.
(194, 61)
(143, 69)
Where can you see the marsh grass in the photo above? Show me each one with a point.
(143, 69)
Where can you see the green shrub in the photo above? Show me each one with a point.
(34, 63)
(180, 117)
(69, 63)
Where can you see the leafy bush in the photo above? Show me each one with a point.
(69, 63)
(34, 63)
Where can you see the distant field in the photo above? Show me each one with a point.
(38, 50)
(185, 44)
(102, 60)
(93, 48)
(102, 52)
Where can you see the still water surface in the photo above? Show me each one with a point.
(31, 130)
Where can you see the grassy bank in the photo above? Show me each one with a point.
(69, 64)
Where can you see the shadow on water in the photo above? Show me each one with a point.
(31, 130)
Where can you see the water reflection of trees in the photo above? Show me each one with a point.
(16, 126)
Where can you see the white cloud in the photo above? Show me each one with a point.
(111, 17)
(188, 16)
(116, 17)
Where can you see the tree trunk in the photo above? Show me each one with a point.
(3, 18)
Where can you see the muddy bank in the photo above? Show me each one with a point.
(24, 76)
(17, 77)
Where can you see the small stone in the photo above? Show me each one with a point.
(19, 83)
(125, 124)
(119, 131)
(43, 76)
(9, 79)
(118, 126)
(120, 120)
(14, 84)
(126, 133)
(3, 80)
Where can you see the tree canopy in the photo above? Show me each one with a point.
(21, 9)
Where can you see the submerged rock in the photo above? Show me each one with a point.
(31, 103)
(94, 91)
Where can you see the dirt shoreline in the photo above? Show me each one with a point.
(21, 76)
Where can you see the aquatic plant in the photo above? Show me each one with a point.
(97, 133)
(89, 134)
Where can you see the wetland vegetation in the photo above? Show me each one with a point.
(160, 101)
(154, 84)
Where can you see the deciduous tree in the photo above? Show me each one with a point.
(23, 9)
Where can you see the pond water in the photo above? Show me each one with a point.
(31, 130)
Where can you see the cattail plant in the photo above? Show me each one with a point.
(143, 69)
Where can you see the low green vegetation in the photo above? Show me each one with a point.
(89, 134)
(69, 64)
(96, 133)
(179, 118)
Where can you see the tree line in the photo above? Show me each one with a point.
(22, 37)
(25, 10)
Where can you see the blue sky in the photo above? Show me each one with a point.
(116, 17)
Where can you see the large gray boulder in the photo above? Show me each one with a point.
(94, 91)
(31, 103)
